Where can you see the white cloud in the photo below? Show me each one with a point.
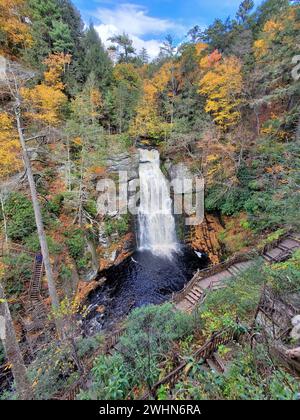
(134, 20)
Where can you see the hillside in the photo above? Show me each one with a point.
(102, 299)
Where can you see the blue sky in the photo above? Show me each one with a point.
(149, 21)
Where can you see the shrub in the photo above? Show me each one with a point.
(20, 217)
(238, 299)
(18, 271)
(75, 242)
(52, 371)
(116, 226)
(110, 379)
(251, 376)
(150, 332)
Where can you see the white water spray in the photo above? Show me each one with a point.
(157, 231)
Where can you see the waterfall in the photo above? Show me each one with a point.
(156, 222)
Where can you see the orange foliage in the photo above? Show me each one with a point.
(210, 60)
(15, 32)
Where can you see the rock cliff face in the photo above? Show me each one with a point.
(205, 237)
(116, 231)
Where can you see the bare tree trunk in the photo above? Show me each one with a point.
(4, 216)
(13, 352)
(38, 219)
(68, 165)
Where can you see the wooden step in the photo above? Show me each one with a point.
(196, 294)
(198, 289)
(267, 257)
(236, 270)
(190, 299)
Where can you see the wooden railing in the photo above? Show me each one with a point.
(112, 339)
(207, 272)
(221, 338)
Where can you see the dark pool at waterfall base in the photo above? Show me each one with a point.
(141, 279)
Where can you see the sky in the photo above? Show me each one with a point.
(147, 22)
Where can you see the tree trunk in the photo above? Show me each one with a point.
(13, 352)
(38, 220)
(4, 216)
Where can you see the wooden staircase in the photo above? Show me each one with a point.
(35, 284)
(215, 277)
(35, 309)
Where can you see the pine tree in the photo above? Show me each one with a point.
(96, 59)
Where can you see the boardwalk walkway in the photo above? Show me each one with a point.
(215, 277)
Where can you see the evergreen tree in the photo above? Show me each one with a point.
(123, 48)
(243, 12)
(96, 59)
(61, 37)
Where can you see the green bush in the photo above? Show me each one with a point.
(55, 204)
(19, 270)
(110, 379)
(76, 243)
(32, 243)
(116, 226)
(52, 371)
(86, 346)
(239, 299)
(20, 217)
(251, 376)
(150, 332)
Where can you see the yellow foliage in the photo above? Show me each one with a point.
(15, 31)
(147, 121)
(223, 86)
(56, 64)
(10, 160)
(163, 76)
(45, 101)
(273, 28)
(260, 48)
(200, 47)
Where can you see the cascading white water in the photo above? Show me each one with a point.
(157, 231)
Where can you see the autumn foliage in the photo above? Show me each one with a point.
(14, 31)
(10, 160)
(44, 101)
(222, 84)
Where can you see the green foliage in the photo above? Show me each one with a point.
(55, 204)
(116, 226)
(96, 59)
(20, 215)
(18, 272)
(32, 243)
(150, 333)
(251, 376)
(149, 336)
(75, 241)
(110, 379)
(85, 346)
(52, 371)
(285, 277)
(238, 300)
